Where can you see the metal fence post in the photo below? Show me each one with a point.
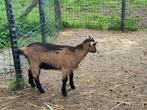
(42, 20)
(12, 29)
(57, 9)
(123, 13)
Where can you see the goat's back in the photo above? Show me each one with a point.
(55, 56)
(48, 47)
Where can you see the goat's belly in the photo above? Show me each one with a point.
(48, 66)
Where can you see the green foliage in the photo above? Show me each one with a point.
(98, 14)
(93, 14)
(131, 24)
(4, 36)
(138, 2)
(13, 82)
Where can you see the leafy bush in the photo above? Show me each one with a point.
(4, 37)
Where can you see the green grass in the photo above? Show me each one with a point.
(13, 82)
(28, 26)
(98, 14)
(90, 14)
(138, 2)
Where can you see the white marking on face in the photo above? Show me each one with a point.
(92, 43)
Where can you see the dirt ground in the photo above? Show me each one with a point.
(114, 78)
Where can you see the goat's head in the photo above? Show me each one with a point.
(90, 44)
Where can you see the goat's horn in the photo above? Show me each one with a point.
(86, 36)
(91, 37)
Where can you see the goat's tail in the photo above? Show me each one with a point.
(22, 51)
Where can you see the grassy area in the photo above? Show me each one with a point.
(28, 28)
(93, 14)
(13, 82)
(99, 14)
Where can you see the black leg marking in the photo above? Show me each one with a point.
(64, 92)
(71, 80)
(31, 81)
(39, 85)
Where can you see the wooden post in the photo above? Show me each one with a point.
(13, 35)
(123, 13)
(42, 21)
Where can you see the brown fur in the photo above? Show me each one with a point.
(59, 57)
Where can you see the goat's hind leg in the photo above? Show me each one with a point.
(71, 80)
(31, 80)
(36, 72)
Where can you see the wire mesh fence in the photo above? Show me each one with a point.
(40, 20)
(28, 26)
(136, 14)
(34, 21)
(104, 14)
(97, 14)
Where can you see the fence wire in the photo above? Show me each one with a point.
(104, 14)
(28, 28)
(93, 14)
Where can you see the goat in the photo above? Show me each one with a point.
(56, 57)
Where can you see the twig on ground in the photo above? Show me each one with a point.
(48, 106)
(116, 106)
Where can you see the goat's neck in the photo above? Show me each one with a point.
(80, 53)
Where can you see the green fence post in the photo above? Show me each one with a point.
(57, 9)
(13, 35)
(123, 13)
(42, 21)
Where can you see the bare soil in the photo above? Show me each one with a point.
(114, 78)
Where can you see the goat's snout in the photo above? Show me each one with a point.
(94, 50)
(93, 47)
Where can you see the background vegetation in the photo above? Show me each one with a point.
(92, 14)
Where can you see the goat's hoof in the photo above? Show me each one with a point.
(73, 87)
(42, 91)
(64, 94)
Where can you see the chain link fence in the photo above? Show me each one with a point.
(104, 14)
(24, 22)
(40, 21)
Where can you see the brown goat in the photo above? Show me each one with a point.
(56, 57)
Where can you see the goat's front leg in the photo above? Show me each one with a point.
(37, 81)
(71, 80)
(64, 81)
